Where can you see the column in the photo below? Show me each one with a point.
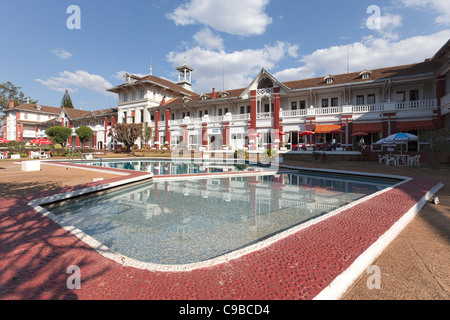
(5, 128)
(276, 108)
(157, 129)
(106, 132)
(225, 133)
(21, 132)
(205, 142)
(167, 128)
(253, 109)
(440, 93)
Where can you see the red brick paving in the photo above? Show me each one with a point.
(35, 254)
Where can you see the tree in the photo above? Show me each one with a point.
(9, 92)
(438, 141)
(59, 134)
(84, 133)
(66, 101)
(126, 133)
(146, 136)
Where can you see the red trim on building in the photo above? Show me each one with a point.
(157, 129)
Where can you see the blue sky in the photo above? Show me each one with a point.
(227, 42)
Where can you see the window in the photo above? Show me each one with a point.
(133, 96)
(324, 103)
(371, 99)
(302, 104)
(334, 102)
(220, 112)
(400, 96)
(200, 114)
(267, 108)
(142, 116)
(294, 105)
(226, 110)
(242, 110)
(413, 95)
(124, 117)
(141, 94)
(359, 100)
(249, 109)
(124, 97)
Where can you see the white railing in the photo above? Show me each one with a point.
(293, 113)
(175, 122)
(322, 111)
(368, 108)
(418, 104)
(265, 115)
(445, 100)
(245, 116)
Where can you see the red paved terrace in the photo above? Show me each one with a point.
(35, 254)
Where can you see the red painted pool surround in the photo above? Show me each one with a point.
(35, 254)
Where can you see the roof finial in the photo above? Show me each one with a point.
(151, 68)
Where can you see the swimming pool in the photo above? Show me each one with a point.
(191, 221)
(171, 167)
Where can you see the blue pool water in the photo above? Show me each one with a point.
(188, 221)
(169, 167)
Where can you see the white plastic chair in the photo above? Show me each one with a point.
(390, 159)
(415, 161)
(381, 158)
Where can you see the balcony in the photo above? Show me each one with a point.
(429, 104)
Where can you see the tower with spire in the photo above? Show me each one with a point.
(185, 76)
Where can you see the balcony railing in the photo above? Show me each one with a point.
(346, 109)
(418, 104)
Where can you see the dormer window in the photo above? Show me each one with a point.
(329, 79)
(224, 94)
(38, 107)
(204, 97)
(365, 75)
(186, 99)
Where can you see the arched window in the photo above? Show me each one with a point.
(265, 83)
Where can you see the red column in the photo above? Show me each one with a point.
(62, 122)
(36, 128)
(167, 127)
(5, 128)
(21, 132)
(205, 141)
(17, 125)
(157, 129)
(276, 108)
(225, 133)
(106, 131)
(78, 142)
(253, 109)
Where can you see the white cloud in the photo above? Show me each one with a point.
(72, 81)
(237, 17)
(389, 23)
(207, 39)
(61, 53)
(237, 69)
(441, 7)
(371, 53)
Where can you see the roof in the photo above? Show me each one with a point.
(151, 79)
(423, 68)
(32, 107)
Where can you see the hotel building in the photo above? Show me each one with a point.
(409, 98)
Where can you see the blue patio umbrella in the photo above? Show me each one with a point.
(398, 138)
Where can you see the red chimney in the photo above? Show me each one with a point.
(11, 104)
(163, 102)
(213, 96)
